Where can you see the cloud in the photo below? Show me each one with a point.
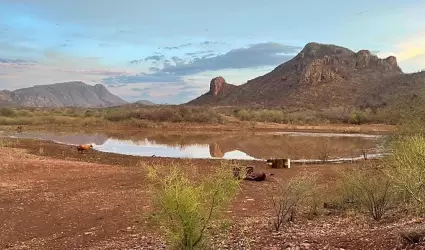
(4, 61)
(211, 42)
(154, 58)
(178, 47)
(253, 56)
(18, 73)
(186, 45)
(410, 52)
(156, 77)
(199, 53)
(256, 55)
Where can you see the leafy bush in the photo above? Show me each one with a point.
(357, 117)
(185, 209)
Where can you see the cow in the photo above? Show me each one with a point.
(84, 147)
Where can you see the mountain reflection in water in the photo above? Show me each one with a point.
(224, 145)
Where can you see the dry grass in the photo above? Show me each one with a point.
(157, 116)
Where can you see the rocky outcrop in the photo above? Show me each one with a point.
(215, 150)
(216, 85)
(219, 89)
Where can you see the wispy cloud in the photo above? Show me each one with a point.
(154, 58)
(255, 55)
(178, 47)
(200, 53)
(16, 61)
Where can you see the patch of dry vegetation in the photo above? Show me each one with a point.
(153, 116)
(392, 188)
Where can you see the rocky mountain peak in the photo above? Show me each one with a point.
(217, 85)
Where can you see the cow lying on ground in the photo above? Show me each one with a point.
(249, 175)
(84, 147)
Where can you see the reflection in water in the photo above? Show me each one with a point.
(215, 150)
(307, 146)
(147, 148)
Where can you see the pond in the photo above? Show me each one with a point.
(298, 146)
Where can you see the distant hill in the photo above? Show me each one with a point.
(66, 94)
(144, 102)
(320, 76)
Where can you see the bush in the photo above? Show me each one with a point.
(371, 190)
(357, 117)
(289, 198)
(406, 168)
(8, 112)
(413, 235)
(185, 209)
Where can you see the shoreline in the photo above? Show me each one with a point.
(209, 128)
(96, 156)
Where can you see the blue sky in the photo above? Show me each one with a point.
(167, 51)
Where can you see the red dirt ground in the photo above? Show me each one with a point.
(52, 197)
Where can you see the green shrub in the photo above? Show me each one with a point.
(406, 168)
(185, 209)
(357, 117)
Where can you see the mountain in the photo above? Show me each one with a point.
(144, 102)
(66, 94)
(219, 92)
(319, 76)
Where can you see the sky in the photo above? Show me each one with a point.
(167, 51)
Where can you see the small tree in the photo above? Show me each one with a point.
(185, 209)
(289, 198)
(371, 190)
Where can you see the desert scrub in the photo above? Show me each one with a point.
(165, 114)
(357, 117)
(371, 189)
(184, 209)
(406, 169)
(414, 235)
(291, 195)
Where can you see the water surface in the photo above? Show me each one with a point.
(299, 146)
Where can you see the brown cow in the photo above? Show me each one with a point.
(84, 147)
(249, 174)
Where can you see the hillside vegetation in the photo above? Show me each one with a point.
(322, 77)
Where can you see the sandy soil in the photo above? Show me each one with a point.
(52, 197)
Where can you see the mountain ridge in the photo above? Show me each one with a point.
(63, 94)
(320, 76)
